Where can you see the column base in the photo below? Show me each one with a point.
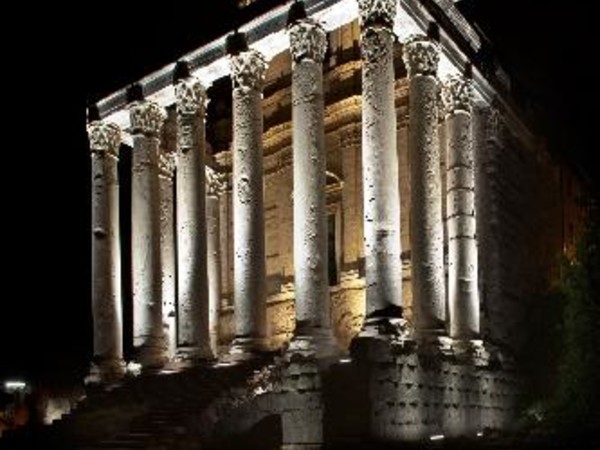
(151, 356)
(471, 351)
(190, 355)
(390, 327)
(244, 349)
(108, 371)
(318, 343)
(381, 338)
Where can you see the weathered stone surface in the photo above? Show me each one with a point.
(416, 394)
(310, 217)
(147, 259)
(463, 286)
(308, 41)
(427, 234)
(106, 250)
(381, 200)
(248, 203)
(193, 301)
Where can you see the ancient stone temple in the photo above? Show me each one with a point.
(341, 195)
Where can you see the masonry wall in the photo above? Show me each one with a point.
(520, 231)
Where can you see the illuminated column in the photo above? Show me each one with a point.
(146, 122)
(106, 259)
(167, 237)
(215, 186)
(191, 217)
(248, 68)
(421, 57)
(381, 198)
(463, 293)
(308, 43)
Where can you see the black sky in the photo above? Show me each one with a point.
(61, 57)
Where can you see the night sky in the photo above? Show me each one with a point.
(62, 57)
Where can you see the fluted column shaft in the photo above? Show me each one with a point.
(105, 139)
(379, 157)
(191, 219)
(215, 188)
(463, 292)
(248, 69)
(308, 44)
(427, 239)
(146, 122)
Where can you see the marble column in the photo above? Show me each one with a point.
(105, 139)
(147, 264)
(215, 186)
(191, 219)
(381, 197)
(248, 68)
(308, 43)
(421, 56)
(463, 292)
(167, 240)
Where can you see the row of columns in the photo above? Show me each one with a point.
(151, 185)
(380, 184)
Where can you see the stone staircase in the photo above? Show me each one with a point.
(154, 412)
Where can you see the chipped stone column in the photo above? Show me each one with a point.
(167, 238)
(308, 43)
(148, 338)
(193, 335)
(215, 186)
(105, 139)
(463, 292)
(248, 69)
(421, 57)
(381, 195)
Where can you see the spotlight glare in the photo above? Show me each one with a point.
(436, 437)
(14, 385)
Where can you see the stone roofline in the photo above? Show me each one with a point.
(459, 43)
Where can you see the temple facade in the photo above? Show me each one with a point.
(346, 183)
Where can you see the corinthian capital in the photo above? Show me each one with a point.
(377, 12)
(216, 182)
(104, 137)
(248, 70)
(190, 95)
(166, 164)
(457, 94)
(146, 118)
(308, 40)
(421, 55)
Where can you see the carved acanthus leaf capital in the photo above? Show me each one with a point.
(421, 55)
(104, 137)
(216, 182)
(190, 95)
(377, 12)
(146, 118)
(308, 40)
(166, 163)
(457, 94)
(248, 70)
